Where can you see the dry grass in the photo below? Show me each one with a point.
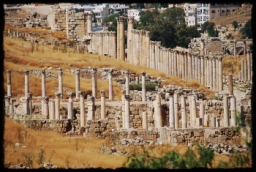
(231, 65)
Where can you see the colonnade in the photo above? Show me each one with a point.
(245, 73)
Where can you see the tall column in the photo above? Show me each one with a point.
(147, 48)
(220, 73)
(235, 48)
(158, 114)
(193, 101)
(26, 83)
(9, 83)
(206, 120)
(110, 85)
(183, 112)
(230, 85)
(245, 70)
(213, 73)
(143, 80)
(120, 26)
(70, 106)
(57, 105)
(100, 43)
(77, 72)
(249, 70)
(51, 110)
(91, 110)
(127, 82)
(225, 107)
(43, 84)
(89, 23)
(60, 81)
(127, 111)
(202, 112)
(176, 117)
(118, 38)
(102, 107)
(29, 103)
(233, 111)
(129, 38)
(82, 113)
(171, 112)
(144, 121)
(94, 82)
(46, 107)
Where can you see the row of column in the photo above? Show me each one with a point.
(245, 73)
(103, 43)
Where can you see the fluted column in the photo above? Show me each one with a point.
(70, 106)
(183, 112)
(127, 82)
(193, 115)
(51, 110)
(77, 72)
(176, 117)
(202, 70)
(94, 82)
(147, 49)
(220, 73)
(171, 112)
(120, 38)
(143, 80)
(189, 66)
(60, 81)
(102, 105)
(175, 62)
(127, 111)
(9, 83)
(110, 85)
(57, 105)
(245, 70)
(82, 111)
(101, 43)
(144, 121)
(129, 38)
(158, 115)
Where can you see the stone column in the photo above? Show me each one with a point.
(202, 45)
(233, 111)
(110, 86)
(201, 115)
(100, 43)
(143, 80)
(183, 112)
(60, 81)
(82, 113)
(193, 101)
(230, 84)
(214, 73)
(121, 37)
(77, 72)
(43, 84)
(89, 23)
(91, 109)
(94, 82)
(176, 117)
(245, 70)
(214, 120)
(70, 106)
(202, 70)
(51, 110)
(206, 120)
(102, 107)
(225, 107)
(158, 113)
(118, 38)
(129, 38)
(123, 108)
(46, 107)
(171, 112)
(144, 121)
(11, 106)
(127, 82)
(220, 73)
(9, 83)
(29, 103)
(147, 48)
(57, 105)
(249, 70)
(26, 83)
(127, 111)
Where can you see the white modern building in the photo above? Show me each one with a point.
(134, 13)
(116, 8)
(190, 14)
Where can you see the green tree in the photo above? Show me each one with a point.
(210, 28)
(235, 24)
(174, 15)
(112, 19)
(184, 35)
(148, 18)
(247, 29)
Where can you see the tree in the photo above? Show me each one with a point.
(148, 18)
(209, 27)
(112, 19)
(247, 29)
(173, 15)
(235, 24)
(185, 34)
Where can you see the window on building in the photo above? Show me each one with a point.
(223, 11)
(213, 11)
(233, 10)
(228, 11)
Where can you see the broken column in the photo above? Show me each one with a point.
(26, 82)
(225, 108)
(110, 85)
(82, 114)
(90, 105)
(60, 81)
(94, 82)
(143, 80)
(77, 72)
(127, 111)
(70, 106)
(102, 107)
(127, 83)
(9, 83)
(171, 112)
(57, 105)
(230, 84)
(233, 111)
(158, 111)
(183, 112)
(144, 121)
(51, 110)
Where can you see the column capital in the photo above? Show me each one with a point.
(77, 71)
(127, 72)
(94, 70)
(43, 72)
(57, 94)
(90, 98)
(8, 71)
(127, 97)
(102, 93)
(130, 19)
(147, 33)
(29, 95)
(26, 72)
(46, 99)
(110, 71)
(143, 73)
(70, 94)
(120, 19)
(219, 57)
(81, 93)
